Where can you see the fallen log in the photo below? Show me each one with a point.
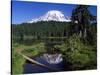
(35, 62)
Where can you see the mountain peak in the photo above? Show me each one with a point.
(52, 15)
(54, 12)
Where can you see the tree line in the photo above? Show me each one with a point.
(83, 23)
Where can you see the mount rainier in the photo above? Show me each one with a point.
(52, 15)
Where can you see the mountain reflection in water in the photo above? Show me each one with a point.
(53, 58)
(54, 62)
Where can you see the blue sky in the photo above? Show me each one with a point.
(25, 11)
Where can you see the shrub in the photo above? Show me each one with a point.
(79, 54)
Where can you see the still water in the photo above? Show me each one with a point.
(33, 68)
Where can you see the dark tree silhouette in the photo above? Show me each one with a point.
(81, 19)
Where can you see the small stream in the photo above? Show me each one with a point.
(33, 68)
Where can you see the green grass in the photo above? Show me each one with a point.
(34, 50)
(18, 61)
(80, 55)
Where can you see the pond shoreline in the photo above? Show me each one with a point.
(33, 67)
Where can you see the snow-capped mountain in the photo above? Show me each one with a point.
(52, 15)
